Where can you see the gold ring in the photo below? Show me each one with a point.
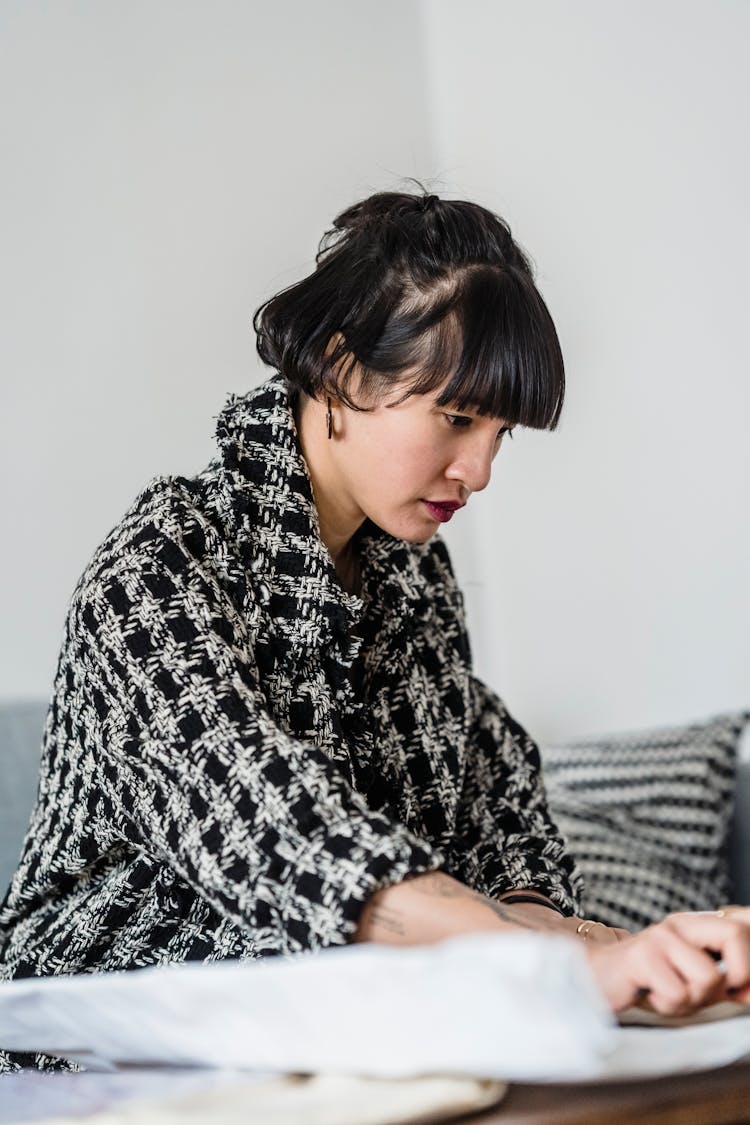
(589, 924)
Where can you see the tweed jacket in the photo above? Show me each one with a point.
(238, 753)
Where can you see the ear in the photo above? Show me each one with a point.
(337, 340)
(343, 364)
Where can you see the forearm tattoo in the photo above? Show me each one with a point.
(516, 916)
(440, 885)
(388, 920)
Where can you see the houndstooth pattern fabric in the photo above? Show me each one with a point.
(237, 753)
(647, 816)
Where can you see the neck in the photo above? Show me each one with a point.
(339, 519)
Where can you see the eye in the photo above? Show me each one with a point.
(458, 420)
(505, 430)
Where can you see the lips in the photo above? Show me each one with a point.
(442, 510)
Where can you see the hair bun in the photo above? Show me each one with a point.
(380, 219)
(379, 207)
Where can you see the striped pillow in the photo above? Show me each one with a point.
(647, 816)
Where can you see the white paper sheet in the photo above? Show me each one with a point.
(516, 1007)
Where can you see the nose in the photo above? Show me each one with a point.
(472, 467)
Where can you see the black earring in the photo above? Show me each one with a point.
(329, 420)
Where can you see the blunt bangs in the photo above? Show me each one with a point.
(490, 343)
(511, 363)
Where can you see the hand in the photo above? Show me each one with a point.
(672, 963)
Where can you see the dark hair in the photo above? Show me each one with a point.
(424, 289)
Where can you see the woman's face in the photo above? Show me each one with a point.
(410, 465)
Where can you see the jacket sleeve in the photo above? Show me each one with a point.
(505, 837)
(193, 769)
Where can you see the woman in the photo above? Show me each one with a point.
(264, 735)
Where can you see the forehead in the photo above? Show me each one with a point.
(400, 396)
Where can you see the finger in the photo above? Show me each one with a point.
(667, 990)
(680, 977)
(728, 936)
(735, 957)
(648, 960)
(738, 995)
(703, 976)
(741, 913)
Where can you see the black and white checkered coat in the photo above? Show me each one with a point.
(238, 753)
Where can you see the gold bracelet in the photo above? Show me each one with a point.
(589, 924)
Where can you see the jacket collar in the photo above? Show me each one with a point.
(267, 500)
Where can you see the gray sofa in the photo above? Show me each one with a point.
(21, 726)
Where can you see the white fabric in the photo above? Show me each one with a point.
(485, 1005)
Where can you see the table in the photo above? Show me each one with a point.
(713, 1097)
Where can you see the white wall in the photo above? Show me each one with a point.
(608, 566)
(166, 165)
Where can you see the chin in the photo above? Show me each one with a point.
(423, 537)
(408, 522)
(407, 534)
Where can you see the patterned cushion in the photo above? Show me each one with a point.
(647, 815)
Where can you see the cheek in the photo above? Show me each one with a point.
(400, 469)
